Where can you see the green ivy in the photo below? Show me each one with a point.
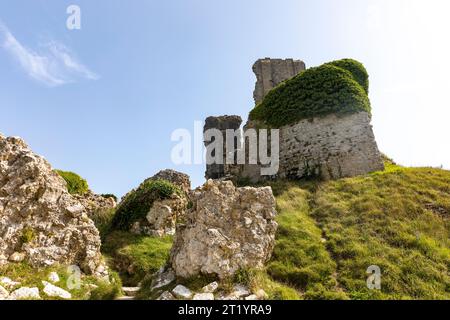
(75, 184)
(138, 202)
(338, 87)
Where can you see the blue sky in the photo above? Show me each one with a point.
(103, 101)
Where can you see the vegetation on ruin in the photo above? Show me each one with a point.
(138, 202)
(339, 87)
(75, 183)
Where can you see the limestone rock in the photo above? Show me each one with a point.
(179, 179)
(162, 216)
(38, 217)
(54, 291)
(3, 293)
(240, 291)
(53, 277)
(215, 238)
(261, 294)
(94, 203)
(252, 297)
(162, 279)
(17, 257)
(211, 288)
(203, 296)
(8, 283)
(25, 293)
(166, 295)
(182, 292)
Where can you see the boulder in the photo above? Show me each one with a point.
(39, 220)
(25, 293)
(181, 292)
(226, 229)
(95, 203)
(211, 288)
(56, 292)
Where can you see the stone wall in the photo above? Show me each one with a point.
(222, 123)
(271, 72)
(329, 147)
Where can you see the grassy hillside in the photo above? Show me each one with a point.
(331, 232)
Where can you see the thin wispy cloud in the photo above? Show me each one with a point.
(54, 65)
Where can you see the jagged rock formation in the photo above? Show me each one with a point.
(40, 222)
(227, 229)
(158, 213)
(271, 72)
(179, 179)
(95, 203)
(162, 217)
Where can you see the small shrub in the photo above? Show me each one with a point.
(75, 184)
(27, 235)
(338, 87)
(137, 203)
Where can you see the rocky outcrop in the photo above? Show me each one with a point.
(95, 203)
(226, 229)
(162, 217)
(179, 179)
(40, 222)
(163, 214)
(271, 72)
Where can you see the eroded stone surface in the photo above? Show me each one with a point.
(54, 291)
(216, 238)
(271, 72)
(25, 293)
(39, 219)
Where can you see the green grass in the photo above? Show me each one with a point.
(397, 219)
(75, 184)
(331, 232)
(135, 256)
(339, 87)
(32, 277)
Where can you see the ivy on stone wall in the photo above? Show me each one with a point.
(338, 87)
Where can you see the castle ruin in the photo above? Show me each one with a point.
(329, 147)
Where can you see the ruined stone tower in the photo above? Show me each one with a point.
(271, 72)
(330, 146)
